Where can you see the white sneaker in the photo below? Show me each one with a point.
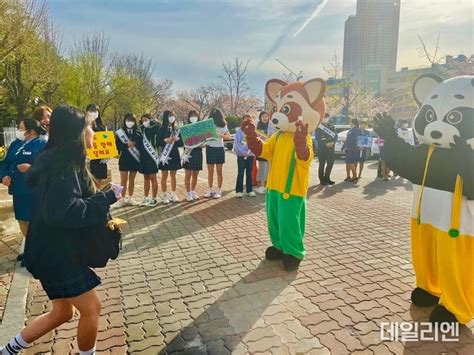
(131, 202)
(261, 190)
(218, 194)
(195, 195)
(145, 201)
(120, 203)
(209, 193)
(251, 194)
(239, 194)
(153, 202)
(165, 198)
(190, 197)
(173, 197)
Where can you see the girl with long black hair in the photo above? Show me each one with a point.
(169, 140)
(98, 167)
(193, 165)
(67, 204)
(128, 139)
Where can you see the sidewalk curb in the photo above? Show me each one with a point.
(15, 309)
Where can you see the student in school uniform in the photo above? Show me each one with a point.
(128, 140)
(193, 165)
(98, 167)
(149, 159)
(215, 154)
(169, 141)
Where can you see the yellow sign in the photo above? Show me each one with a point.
(104, 146)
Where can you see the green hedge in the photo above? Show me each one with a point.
(233, 122)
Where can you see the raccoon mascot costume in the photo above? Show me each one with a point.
(441, 169)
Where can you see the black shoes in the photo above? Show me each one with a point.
(290, 263)
(441, 315)
(325, 182)
(273, 253)
(421, 298)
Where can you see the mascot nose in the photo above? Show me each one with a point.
(436, 134)
(275, 121)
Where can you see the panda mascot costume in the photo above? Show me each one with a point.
(441, 169)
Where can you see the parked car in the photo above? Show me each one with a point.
(341, 138)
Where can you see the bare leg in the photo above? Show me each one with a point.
(88, 305)
(361, 167)
(210, 175)
(154, 185)
(195, 174)
(146, 186)
(348, 171)
(173, 180)
(124, 181)
(187, 180)
(164, 179)
(220, 177)
(24, 227)
(131, 183)
(61, 313)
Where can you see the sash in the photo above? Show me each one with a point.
(124, 138)
(186, 156)
(327, 131)
(165, 154)
(150, 149)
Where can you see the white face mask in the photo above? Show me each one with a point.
(172, 119)
(93, 115)
(129, 124)
(146, 124)
(193, 119)
(20, 135)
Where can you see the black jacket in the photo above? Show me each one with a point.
(64, 210)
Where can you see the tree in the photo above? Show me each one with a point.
(233, 78)
(334, 70)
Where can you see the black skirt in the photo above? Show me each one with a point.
(127, 162)
(215, 155)
(98, 169)
(195, 161)
(79, 281)
(147, 164)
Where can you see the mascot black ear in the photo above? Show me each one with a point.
(423, 86)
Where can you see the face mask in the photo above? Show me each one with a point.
(93, 114)
(172, 119)
(129, 124)
(146, 124)
(20, 135)
(193, 119)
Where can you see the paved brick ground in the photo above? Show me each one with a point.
(191, 278)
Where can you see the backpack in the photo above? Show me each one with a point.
(100, 244)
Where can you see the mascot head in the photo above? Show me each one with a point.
(446, 110)
(295, 100)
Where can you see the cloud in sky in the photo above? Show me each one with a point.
(189, 39)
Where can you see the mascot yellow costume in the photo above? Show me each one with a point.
(441, 169)
(298, 110)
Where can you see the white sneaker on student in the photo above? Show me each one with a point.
(190, 197)
(195, 195)
(153, 202)
(120, 203)
(239, 194)
(251, 194)
(145, 201)
(173, 197)
(209, 193)
(131, 202)
(261, 190)
(165, 198)
(218, 194)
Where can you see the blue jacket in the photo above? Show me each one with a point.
(20, 153)
(240, 148)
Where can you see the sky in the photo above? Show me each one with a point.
(188, 40)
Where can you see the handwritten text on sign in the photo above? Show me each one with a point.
(196, 134)
(103, 147)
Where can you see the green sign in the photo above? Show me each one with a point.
(198, 133)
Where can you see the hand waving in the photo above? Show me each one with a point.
(299, 138)
(248, 127)
(384, 125)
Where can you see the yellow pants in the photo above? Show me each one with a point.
(444, 266)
